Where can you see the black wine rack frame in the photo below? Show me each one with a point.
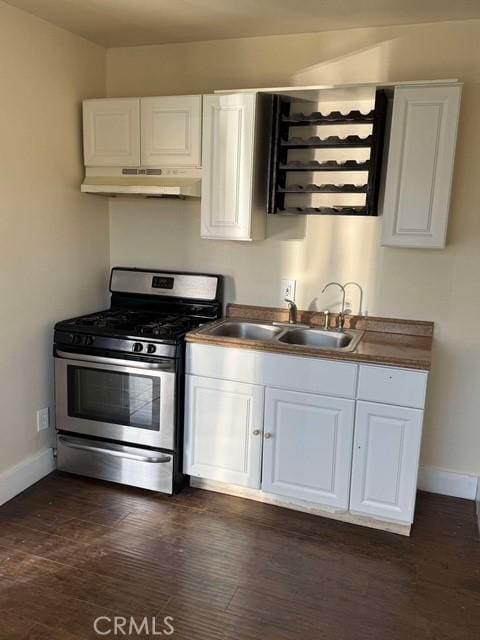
(280, 165)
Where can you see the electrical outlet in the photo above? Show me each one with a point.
(288, 289)
(43, 419)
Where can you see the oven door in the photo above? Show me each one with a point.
(123, 400)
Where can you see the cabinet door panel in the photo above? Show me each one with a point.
(171, 131)
(420, 166)
(228, 155)
(111, 132)
(223, 431)
(308, 453)
(385, 461)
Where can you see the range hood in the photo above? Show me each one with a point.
(118, 181)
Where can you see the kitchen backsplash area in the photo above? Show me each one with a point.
(310, 249)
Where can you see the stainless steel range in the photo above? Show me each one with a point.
(119, 378)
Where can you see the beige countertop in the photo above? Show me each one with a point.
(389, 341)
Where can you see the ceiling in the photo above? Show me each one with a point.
(117, 23)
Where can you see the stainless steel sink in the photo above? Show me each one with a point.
(318, 339)
(245, 330)
(296, 335)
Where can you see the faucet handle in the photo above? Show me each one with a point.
(292, 311)
(326, 315)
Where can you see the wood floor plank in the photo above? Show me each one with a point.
(131, 597)
(12, 625)
(42, 632)
(230, 569)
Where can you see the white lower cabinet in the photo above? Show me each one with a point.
(308, 447)
(223, 430)
(303, 432)
(385, 461)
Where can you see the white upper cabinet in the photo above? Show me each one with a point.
(385, 461)
(420, 165)
(307, 448)
(223, 430)
(111, 132)
(233, 166)
(150, 132)
(171, 131)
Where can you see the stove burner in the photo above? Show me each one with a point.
(106, 319)
(166, 327)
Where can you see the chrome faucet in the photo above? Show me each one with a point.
(341, 315)
(292, 311)
(360, 302)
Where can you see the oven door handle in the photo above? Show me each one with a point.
(113, 452)
(114, 361)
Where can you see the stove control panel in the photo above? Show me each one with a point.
(64, 339)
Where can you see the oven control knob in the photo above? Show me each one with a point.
(77, 339)
(137, 347)
(151, 348)
(89, 340)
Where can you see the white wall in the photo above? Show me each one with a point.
(54, 244)
(432, 285)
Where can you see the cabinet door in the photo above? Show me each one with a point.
(171, 131)
(228, 161)
(223, 430)
(420, 166)
(111, 132)
(307, 449)
(385, 461)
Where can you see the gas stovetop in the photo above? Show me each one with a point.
(134, 323)
(149, 309)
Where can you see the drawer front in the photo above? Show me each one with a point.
(392, 386)
(135, 467)
(221, 363)
(313, 375)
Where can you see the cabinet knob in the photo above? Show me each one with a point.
(268, 435)
(256, 432)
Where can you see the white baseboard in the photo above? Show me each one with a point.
(448, 483)
(478, 504)
(15, 480)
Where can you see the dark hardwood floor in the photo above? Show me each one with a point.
(73, 549)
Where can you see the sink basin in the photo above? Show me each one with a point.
(296, 335)
(319, 339)
(245, 330)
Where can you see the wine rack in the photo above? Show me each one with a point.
(281, 165)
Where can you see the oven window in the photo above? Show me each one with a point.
(118, 398)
